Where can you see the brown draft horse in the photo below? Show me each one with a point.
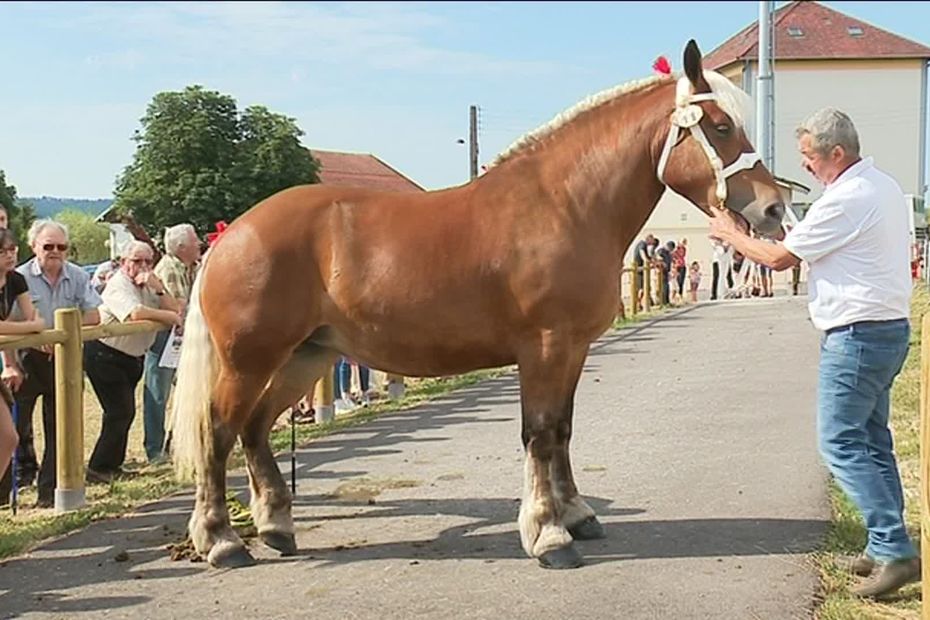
(518, 266)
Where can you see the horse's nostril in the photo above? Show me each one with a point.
(775, 211)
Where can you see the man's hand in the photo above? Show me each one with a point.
(724, 225)
(150, 280)
(13, 377)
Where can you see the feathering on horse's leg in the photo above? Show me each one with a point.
(577, 516)
(271, 499)
(547, 381)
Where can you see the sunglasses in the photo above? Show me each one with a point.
(61, 247)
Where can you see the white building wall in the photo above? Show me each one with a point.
(883, 99)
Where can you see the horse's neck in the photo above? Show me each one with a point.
(601, 168)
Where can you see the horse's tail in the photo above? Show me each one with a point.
(192, 426)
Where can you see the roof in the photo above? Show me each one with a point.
(361, 170)
(810, 31)
(792, 185)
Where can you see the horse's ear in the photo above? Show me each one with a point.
(693, 68)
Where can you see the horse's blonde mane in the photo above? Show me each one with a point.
(731, 99)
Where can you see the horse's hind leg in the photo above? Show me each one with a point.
(271, 499)
(209, 525)
(549, 372)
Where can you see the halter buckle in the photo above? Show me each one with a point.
(687, 116)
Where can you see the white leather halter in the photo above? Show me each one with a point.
(688, 115)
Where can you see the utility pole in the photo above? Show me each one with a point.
(473, 140)
(765, 91)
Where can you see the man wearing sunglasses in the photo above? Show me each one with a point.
(54, 283)
(114, 364)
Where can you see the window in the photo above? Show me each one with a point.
(854, 31)
(795, 31)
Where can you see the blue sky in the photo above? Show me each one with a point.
(392, 79)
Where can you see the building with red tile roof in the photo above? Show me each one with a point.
(814, 31)
(361, 170)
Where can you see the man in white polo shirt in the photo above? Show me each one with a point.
(855, 239)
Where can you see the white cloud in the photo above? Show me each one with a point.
(379, 36)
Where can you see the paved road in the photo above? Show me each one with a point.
(694, 441)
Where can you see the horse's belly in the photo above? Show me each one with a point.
(402, 352)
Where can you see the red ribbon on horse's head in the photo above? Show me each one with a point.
(662, 66)
(220, 229)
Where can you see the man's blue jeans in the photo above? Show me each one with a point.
(858, 364)
(155, 397)
(342, 377)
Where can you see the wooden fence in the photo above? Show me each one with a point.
(68, 337)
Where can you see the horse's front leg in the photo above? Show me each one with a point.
(551, 505)
(577, 516)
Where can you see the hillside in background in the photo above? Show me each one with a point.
(48, 206)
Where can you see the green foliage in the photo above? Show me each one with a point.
(88, 238)
(21, 214)
(198, 161)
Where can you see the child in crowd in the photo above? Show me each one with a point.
(694, 280)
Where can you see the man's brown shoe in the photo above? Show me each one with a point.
(860, 564)
(93, 476)
(888, 577)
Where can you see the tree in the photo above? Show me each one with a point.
(88, 238)
(197, 161)
(270, 155)
(21, 215)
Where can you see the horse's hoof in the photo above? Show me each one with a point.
(587, 529)
(282, 543)
(234, 557)
(566, 557)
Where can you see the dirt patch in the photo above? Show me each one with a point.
(366, 489)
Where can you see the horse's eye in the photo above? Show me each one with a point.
(722, 129)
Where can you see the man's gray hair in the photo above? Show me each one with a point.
(176, 236)
(39, 225)
(134, 244)
(828, 128)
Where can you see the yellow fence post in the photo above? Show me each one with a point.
(925, 461)
(323, 408)
(647, 287)
(396, 387)
(69, 412)
(663, 287)
(634, 288)
(621, 305)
